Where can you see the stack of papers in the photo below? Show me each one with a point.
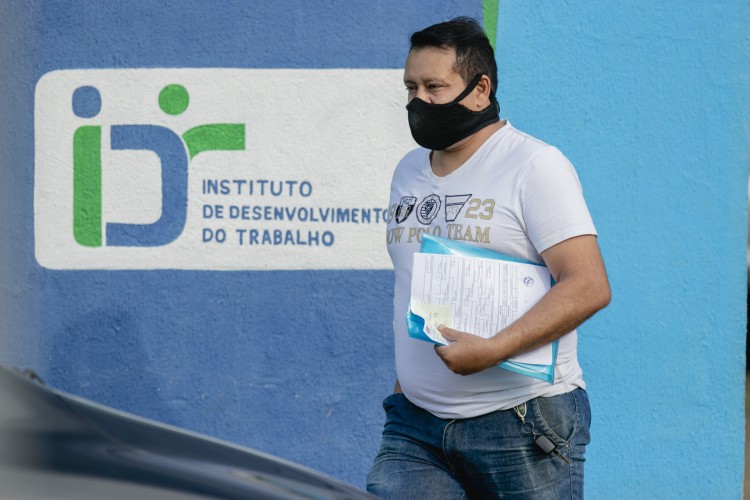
(477, 291)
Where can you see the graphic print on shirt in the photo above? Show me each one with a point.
(427, 209)
(453, 205)
(405, 208)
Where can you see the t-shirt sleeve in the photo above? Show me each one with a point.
(551, 198)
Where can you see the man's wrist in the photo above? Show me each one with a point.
(498, 348)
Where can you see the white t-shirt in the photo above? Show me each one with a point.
(515, 195)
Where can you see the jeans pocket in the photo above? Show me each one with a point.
(557, 417)
(391, 401)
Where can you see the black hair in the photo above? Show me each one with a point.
(474, 54)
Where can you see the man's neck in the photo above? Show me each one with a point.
(449, 160)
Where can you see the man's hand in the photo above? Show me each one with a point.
(466, 354)
(581, 290)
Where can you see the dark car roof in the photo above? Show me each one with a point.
(55, 445)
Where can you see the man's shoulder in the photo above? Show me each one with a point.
(520, 141)
(413, 160)
(415, 155)
(521, 149)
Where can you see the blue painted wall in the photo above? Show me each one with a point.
(650, 102)
(213, 352)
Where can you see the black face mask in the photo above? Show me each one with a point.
(439, 126)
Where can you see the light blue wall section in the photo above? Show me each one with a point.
(650, 102)
(648, 99)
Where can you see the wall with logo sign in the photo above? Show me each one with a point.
(194, 201)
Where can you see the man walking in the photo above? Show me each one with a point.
(457, 425)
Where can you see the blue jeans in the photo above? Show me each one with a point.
(490, 456)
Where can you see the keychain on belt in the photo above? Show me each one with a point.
(543, 442)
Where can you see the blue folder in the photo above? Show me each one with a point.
(415, 323)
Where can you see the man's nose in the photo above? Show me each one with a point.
(422, 94)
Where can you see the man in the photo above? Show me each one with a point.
(464, 427)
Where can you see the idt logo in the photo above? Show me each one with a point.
(174, 152)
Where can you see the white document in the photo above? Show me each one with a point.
(477, 295)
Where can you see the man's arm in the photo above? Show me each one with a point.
(581, 290)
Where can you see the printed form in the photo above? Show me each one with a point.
(477, 295)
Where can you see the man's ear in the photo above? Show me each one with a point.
(483, 90)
